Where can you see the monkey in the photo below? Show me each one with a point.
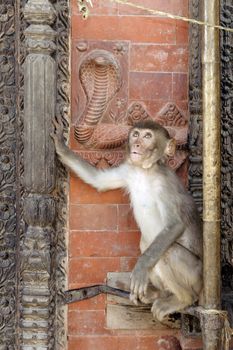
(168, 273)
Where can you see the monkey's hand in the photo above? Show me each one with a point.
(139, 280)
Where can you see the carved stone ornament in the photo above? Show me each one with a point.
(8, 184)
(195, 141)
(195, 107)
(113, 136)
(34, 80)
(104, 118)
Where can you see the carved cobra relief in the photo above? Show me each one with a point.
(104, 117)
(100, 77)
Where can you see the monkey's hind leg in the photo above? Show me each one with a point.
(163, 307)
(181, 274)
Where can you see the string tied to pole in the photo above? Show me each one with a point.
(85, 11)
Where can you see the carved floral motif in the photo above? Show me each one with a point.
(8, 205)
(39, 177)
(227, 156)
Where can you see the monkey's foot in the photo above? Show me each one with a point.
(163, 307)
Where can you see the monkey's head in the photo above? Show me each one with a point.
(149, 143)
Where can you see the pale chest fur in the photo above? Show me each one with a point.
(144, 190)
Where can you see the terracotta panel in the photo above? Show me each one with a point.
(167, 342)
(148, 343)
(116, 51)
(150, 86)
(96, 303)
(128, 342)
(126, 221)
(93, 217)
(176, 7)
(127, 264)
(180, 86)
(159, 58)
(101, 342)
(182, 36)
(137, 29)
(103, 244)
(191, 343)
(81, 193)
(91, 270)
(86, 322)
(154, 107)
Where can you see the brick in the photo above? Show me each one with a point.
(126, 221)
(96, 303)
(103, 244)
(91, 270)
(148, 342)
(150, 86)
(136, 29)
(168, 343)
(182, 32)
(128, 342)
(127, 264)
(159, 58)
(93, 217)
(180, 86)
(81, 193)
(101, 342)
(176, 7)
(86, 322)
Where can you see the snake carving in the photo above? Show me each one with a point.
(100, 77)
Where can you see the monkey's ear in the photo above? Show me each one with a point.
(170, 148)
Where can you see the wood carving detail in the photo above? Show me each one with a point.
(58, 310)
(190, 325)
(195, 107)
(39, 177)
(227, 157)
(8, 159)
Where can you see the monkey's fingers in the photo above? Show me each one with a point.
(133, 298)
(142, 291)
(135, 288)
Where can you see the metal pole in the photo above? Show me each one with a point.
(211, 326)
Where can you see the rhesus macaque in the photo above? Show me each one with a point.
(168, 273)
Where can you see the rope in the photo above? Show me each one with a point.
(169, 15)
(84, 10)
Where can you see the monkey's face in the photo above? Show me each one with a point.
(146, 147)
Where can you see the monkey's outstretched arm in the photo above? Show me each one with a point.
(140, 273)
(100, 179)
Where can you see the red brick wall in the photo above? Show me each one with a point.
(103, 235)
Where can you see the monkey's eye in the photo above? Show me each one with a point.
(135, 134)
(148, 135)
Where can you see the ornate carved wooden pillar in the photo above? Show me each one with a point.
(39, 175)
